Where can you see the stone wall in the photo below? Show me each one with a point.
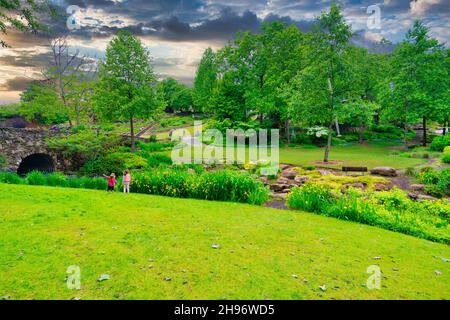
(17, 144)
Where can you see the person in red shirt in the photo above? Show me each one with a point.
(111, 182)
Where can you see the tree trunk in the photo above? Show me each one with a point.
(424, 127)
(444, 129)
(133, 143)
(328, 147)
(288, 134)
(405, 135)
(338, 130)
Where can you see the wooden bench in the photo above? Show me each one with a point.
(355, 169)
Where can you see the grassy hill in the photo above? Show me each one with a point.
(138, 240)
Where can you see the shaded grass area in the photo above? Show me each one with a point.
(264, 253)
(367, 155)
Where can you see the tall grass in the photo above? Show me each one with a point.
(389, 210)
(177, 182)
(36, 178)
(221, 185)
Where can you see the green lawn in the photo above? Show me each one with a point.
(368, 155)
(264, 253)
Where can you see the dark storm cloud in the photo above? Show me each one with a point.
(205, 22)
(221, 28)
(15, 84)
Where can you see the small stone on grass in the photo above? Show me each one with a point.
(103, 277)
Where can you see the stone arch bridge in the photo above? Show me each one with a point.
(25, 150)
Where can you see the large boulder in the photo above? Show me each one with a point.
(358, 185)
(278, 187)
(289, 173)
(283, 180)
(383, 186)
(384, 171)
(301, 179)
(417, 187)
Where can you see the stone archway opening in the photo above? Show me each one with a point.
(36, 162)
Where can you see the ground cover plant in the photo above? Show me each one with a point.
(437, 181)
(391, 210)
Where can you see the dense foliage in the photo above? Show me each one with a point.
(180, 182)
(221, 185)
(391, 210)
(437, 181)
(36, 178)
(126, 89)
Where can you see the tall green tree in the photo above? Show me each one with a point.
(205, 81)
(417, 86)
(41, 103)
(178, 97)
(127, 84)
(324, 85)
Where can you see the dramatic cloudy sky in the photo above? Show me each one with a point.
(178, 31)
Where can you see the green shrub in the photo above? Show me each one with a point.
(410, 171)
(437, 181)
(156, 160)
(391, 210)
(115, 162)
(221, 185)
(56, 180)
(11, 178)
(439, 143)
(76, 183)
(154, 146)
(434, 190)
(36, 178)
(94, 183)
(446, 158)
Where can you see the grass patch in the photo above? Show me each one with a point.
(368, 155)
(45, 230)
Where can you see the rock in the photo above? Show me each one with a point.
(103, 277)
(277, 187)
(289, 174)
(376, 258)
(282, 181)
(215, 246)
(437, 272)
(324, 172)
(323, 288)
(167, 279)
(280, 196)
(301, 179)
(383, 186)
(384, 171)
(264, 180)
(417, 187)
(295, 276)
(423, 197)
(358, 185)
(284, 166)
(413, 196)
